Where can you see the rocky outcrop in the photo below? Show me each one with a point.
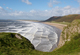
(71, 30)
(18, 36)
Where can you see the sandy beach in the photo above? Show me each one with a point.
(60, 26)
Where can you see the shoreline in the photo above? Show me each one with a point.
(57, 25)
(60, 26)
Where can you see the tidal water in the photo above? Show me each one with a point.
(44, 37)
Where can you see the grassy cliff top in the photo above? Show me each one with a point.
(9, 44)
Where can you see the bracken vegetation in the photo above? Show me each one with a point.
(67, 18)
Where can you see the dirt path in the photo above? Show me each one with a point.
(60, 26)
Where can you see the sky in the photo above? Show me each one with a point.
(37, 9)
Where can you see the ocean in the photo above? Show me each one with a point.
(44, 37)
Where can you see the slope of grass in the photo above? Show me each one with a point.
(14, 46)
(66, 23)
(68, 18)
(71, 47)
(71, 29)
(9, 44)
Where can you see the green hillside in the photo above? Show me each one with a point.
(68, 18)
(10, 45)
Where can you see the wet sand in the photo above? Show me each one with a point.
(60, 26)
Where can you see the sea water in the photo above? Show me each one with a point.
(44, 37)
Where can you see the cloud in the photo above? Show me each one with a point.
(2, 12)
(37, 14)
(1, 7)
(27, 2)
(32, 11)
(52, 2)
(55, 2)
(78, 1)
(46, 10)
(9, 8)
(67, 7)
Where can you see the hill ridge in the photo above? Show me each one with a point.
(67, 18)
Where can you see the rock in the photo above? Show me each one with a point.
(71, 30)
(18, 36)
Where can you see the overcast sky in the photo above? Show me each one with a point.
(37, 9)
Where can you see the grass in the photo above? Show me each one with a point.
(68, 18)
(66, 23)
(71, 29)
(10, 45)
